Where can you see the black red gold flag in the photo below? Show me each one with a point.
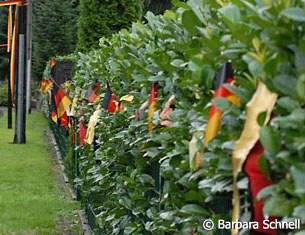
(109, 103)
(53, 112)
(61, 100)
(45, 85)
(91, 94)
(152, 105)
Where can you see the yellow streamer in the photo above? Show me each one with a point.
(91, 125)
(262, 101)
(13, 58)
(194, 149)
(9, 29)
(74, 106)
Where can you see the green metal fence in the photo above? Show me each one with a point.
(61, 137)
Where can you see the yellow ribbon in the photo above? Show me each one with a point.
(194, 149)
(9, 29)
(262, 101)
(127, 98)
(74, 106)
(13, 57)
(91, 125)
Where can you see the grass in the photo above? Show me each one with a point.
(31, 199)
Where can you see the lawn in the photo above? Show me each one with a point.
(31, 199)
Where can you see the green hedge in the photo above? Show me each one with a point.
(4, 93)
(182, 51)
(102, 18)
(54, 31)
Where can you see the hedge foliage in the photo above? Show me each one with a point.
(54, 31)
(102, 18)
(3, 93)
(4, 56)
(140, 182)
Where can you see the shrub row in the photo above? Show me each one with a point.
(140, 182)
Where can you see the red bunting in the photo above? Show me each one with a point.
(82, 131)
(258, 181)
(109, 102)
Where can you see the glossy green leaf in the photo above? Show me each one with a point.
(231, 14)
(288, 103)
(190, 21)
(222, 103)
(277, 205)
(298, 175)
(301, 87)
(299, 212)
(194, 209)
(261, 118)
(270, 139)
(294, 13)
(285, 84)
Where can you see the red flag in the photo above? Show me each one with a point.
(109, 102)
(64, 120)
(59, 105)
(82, 131)
(52, 62)
(258, 181)
(92, 95)
(45, 85)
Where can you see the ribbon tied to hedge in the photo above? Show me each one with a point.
(263, 100)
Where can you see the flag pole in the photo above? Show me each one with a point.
(20, 128)
(29, 56)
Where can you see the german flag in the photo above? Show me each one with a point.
(109, 102)
(65, 121)
(152, 105)
(62, 102)
(53, 112)
(91, 94)
(225, 76)
(45, 85)
(141, 112)
(52, 62)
